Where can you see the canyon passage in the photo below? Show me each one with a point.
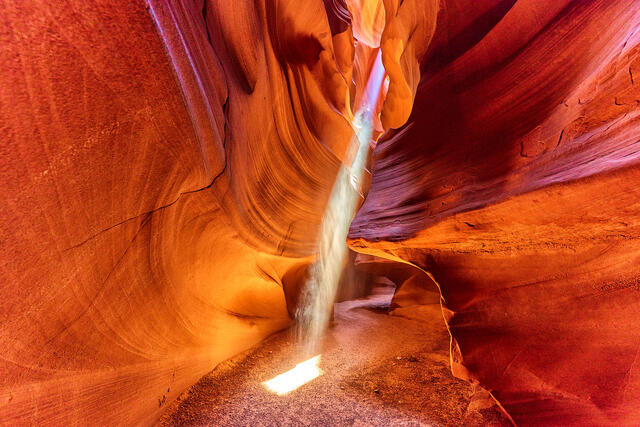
(329, 212)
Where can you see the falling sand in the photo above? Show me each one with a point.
(319, 292)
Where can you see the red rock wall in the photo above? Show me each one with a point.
(164, 166)
(515, 185)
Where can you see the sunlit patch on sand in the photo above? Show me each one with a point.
(292, 379)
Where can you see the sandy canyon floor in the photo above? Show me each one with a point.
(380, 369)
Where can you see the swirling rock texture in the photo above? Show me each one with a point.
(166, 165)
(515, 186)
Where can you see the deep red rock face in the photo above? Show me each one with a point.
(515, 185)
(166, 165)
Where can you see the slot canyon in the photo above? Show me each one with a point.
(320, 212)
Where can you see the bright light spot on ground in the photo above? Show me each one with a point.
(294, 378)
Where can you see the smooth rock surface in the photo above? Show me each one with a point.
(166, 164)
(515, 186)
(162, 170)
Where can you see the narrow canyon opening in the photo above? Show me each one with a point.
(329, 212)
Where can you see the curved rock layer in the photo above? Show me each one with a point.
(514, 185)
(167, 163)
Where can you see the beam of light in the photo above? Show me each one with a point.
(318, 295)
(296, 377)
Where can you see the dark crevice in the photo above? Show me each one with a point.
(225, 112)
(267, 276)
(204, 16)
(242, 315)
(560, 138)
(455, 46)
(148, 212)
